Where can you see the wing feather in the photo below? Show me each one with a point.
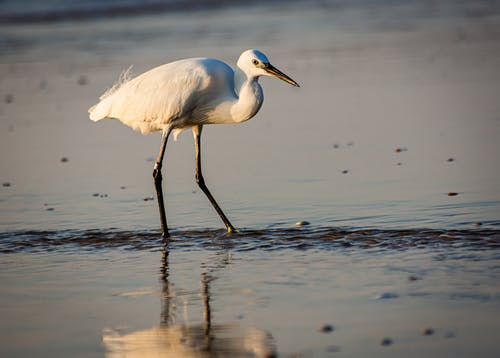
(157, 98)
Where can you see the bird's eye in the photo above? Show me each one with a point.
(255, 62)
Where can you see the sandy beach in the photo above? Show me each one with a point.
(396, 127)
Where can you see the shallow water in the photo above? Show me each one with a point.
(298, 292)
(247, 240)
(398, 108)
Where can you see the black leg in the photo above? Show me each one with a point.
(201, 181)
(159, 191)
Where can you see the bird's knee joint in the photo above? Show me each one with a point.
(199, 180)
(157, 173)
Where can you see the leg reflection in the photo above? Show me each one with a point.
(167, 316)
(207, 314)
(182, 339)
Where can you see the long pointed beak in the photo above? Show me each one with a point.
(273, 71)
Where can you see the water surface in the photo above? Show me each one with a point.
(389, 150)
(256, 293)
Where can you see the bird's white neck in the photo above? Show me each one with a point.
(249, 97)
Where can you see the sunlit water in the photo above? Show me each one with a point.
(389, 150)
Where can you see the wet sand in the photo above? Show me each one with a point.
(391, 263)
(430, 90)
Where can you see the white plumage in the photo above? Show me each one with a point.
(168, 95)
(186, 94)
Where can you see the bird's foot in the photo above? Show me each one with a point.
(231, 229)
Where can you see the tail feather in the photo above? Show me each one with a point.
(99, 111)
(102, 109)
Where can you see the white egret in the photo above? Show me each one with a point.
(186, 94)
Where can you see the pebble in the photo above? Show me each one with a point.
(123, 187)
(103, 195)
(326, 328)
(148, 198)
(386, 342)
(449, 160)
(95, 194)
(64, 159)
(82, 80)
(49, 209)
(400, 149)
(387, 296)
(9, 98)
(6, 184)
(429, 331)
(452, 193)
(302, 223)
(336, 146)
(413, 278)
(345, 171)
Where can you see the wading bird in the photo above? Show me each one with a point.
(186, 94)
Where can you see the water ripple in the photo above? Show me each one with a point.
(248, 240)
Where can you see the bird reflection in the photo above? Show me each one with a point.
(172, 339)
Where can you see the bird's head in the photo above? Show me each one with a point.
(255, 63)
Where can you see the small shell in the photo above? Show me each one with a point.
(302, 223)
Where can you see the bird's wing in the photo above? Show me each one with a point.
(156, 98)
